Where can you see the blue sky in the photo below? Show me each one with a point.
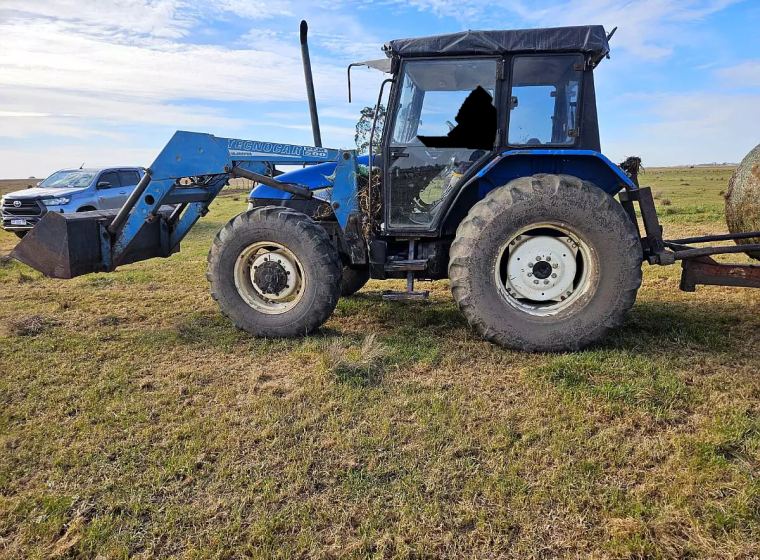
(107, 82)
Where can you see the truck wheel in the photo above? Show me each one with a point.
(545, 263)
(353, 280)
(21, 234)
(274, 272)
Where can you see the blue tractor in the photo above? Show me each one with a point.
(489, 173)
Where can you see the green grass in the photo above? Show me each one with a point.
(135, 421)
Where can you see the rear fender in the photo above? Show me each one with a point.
(585, 164)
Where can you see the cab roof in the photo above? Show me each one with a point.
(588, 39)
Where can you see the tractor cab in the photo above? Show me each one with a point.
(458, 99)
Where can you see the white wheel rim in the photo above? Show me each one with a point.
(280, 282)
(544, 269)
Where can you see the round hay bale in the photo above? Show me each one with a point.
(743, 199)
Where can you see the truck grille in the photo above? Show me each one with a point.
(27, 208)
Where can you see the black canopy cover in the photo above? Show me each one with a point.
(589, 39)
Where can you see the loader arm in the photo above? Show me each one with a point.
(65, 246)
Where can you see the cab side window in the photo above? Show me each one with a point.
(129, 178)
(111, 177)
(544, 100)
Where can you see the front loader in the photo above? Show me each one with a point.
(489, 173)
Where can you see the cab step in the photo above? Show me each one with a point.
(410, 266)
(406, 266)
(405, 296)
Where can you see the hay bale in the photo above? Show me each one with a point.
(743, 199)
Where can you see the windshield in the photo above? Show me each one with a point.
(448, 104)
(67, 179)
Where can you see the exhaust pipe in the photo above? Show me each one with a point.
(310, 85)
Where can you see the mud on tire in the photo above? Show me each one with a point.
(589, 215)
(318, 261)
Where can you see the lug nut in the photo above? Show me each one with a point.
(546, 281)
(548, 259)
(538, 258)
(554, 275)
(555, 265)
(530, 274)
(535, 281)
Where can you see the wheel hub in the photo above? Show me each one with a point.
(541, 268)
(273, 276)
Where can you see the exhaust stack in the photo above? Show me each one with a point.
(310, 84)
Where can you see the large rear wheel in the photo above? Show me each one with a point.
(274, 272)
(546, 263)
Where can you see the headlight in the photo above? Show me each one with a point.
(56, 201)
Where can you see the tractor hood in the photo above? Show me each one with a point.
(314, 177)
(37, 193)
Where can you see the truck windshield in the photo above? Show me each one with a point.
(64, 179)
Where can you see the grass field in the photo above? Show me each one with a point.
(135, 421)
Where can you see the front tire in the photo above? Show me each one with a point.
(274, 272)
(545, 263)
(354, 280)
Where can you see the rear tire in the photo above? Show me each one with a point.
(593, 242)
(353, 280)
(301, 292)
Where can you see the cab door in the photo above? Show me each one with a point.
(445, 119)
(128, 179)
(111, 193)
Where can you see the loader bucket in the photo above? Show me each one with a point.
(69, 245)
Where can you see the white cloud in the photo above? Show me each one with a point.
(55, 55)
(75, 114)
(688, 128)
(160, 18)
(744, 75)
(255, 9)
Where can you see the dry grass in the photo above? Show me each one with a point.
(139, 423)
(27, 326)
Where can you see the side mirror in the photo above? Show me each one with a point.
(38, 184)
(104, 185)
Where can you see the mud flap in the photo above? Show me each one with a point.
(70, 245)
